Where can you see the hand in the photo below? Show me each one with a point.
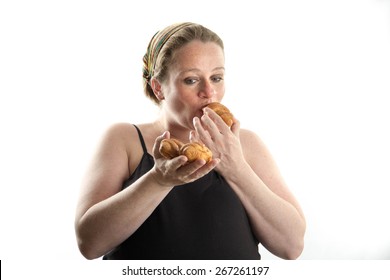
(177, 171)
(224, 142)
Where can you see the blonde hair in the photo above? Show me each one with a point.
(164, 43)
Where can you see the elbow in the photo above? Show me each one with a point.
(295, 246)
(294, 251)
(86, 250)
(287, 249)
(290, 247)
(296, 243)
(86, 245)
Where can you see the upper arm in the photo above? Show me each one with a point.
(108, 169)
(261, 161)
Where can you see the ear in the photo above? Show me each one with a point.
(157, 89)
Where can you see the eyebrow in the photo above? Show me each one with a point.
(198, 70)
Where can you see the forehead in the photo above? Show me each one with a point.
(198, 53)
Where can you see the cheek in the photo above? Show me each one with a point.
(221, 92)
(179, 103)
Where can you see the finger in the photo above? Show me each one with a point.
(214, 121)
(209, 121)
(191, 167)
(178, 162)
(204, 169)
(194, 137)
(202, 134)
(216, 132)
(235, 128)
(157, 142)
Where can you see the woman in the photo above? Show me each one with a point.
(136, 204)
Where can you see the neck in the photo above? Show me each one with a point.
(176, 130)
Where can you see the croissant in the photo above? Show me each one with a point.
(171, 148)
(195, 150)
(222, 111)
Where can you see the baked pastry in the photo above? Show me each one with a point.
(171, 148)
(195, 150)
(222, 111)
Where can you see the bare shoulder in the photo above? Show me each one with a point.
(253, 147)
(258, 155)
(123, 132)
(125, 139)
(122, 136)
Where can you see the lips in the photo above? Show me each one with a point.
(199, 112)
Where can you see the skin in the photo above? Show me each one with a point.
(106, 216)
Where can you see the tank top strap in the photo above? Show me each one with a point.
(141, 139)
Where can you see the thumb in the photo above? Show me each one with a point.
(157, 142)
(235, 128)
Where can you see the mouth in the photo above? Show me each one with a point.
(205, 105)
(201, 108)
(199, 112)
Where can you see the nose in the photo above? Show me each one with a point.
(207, 90)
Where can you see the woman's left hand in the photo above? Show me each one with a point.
(275, 216)
(224, 142)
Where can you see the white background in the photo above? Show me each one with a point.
(318, 70)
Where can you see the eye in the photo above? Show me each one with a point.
(217, 79)
(190, 81)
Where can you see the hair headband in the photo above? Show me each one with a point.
(156, 44)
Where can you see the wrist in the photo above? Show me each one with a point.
(238, 171)
(156, 178)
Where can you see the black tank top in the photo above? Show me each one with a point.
(200, 220)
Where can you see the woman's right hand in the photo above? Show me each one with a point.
(177, 171)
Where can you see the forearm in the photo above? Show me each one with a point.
(277, 224)
(111, 221)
